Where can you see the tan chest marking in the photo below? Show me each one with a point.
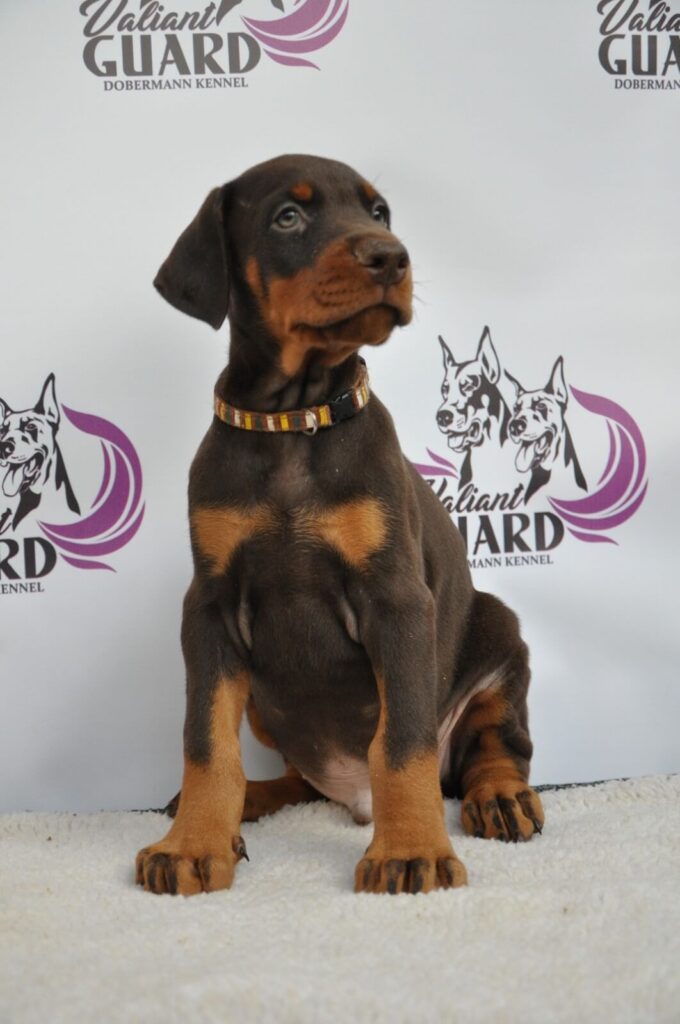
(218, 532)
(356, 529)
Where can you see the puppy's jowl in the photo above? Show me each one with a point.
(331, 600)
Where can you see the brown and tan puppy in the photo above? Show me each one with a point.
(331, 599)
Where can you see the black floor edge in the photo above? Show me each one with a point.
(545, 788)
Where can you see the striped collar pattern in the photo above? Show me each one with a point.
(306, 421)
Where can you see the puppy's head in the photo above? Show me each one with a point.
(470, 396)
(302, 247)
(537, 420)
(27, 440)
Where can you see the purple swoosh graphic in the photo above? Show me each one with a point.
(314, 25)
(306, 45)
(591, 538)
(621, 488)
(291, 62)
(107, 473)
(83, 563)
(98, 546)
(116, 512)
(296, 23)
(442, 468)
(612, 453)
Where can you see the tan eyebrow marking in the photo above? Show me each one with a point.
(369, 191)
(302, 191)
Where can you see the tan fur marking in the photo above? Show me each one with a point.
(493, 765)
(357, 529)
(302, 191)
(498, 803)
(335, 306)
(269, 796)
(202, 847)
(369, 191)
(254, 277)
(486, 710)
(408, 811)
(218, 532)
(214, 791)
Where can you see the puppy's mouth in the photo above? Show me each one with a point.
(371, 325)
(20, 476)
(533, 452)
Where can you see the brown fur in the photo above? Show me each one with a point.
(219, 532)
(328, 576)
(329, 307)
(356, 529)
(203, 845)
(410, 850)
(271, 795)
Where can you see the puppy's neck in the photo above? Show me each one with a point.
(253, 378)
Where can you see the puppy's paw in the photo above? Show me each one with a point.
(420, 871)
(509, 811)
(166, 867)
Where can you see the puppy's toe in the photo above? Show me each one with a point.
(509, 811)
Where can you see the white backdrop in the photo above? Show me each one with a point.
(537, 194)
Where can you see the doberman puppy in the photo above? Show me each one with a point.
(331, 596)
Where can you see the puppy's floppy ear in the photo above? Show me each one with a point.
(195, 276)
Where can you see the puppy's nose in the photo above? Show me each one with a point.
(517, 426)
(386, 258)
(444, 417)
(6, 449)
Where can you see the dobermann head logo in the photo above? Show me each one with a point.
(521, 441)
(33, 473)
(539, 429)
(30, 458)
(473, 410)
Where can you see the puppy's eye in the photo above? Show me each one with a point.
(445, 391)
(381, 213)
(288, 218)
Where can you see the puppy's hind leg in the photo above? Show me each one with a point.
(490, 747)
(268, 796)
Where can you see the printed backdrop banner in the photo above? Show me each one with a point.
(529, 152)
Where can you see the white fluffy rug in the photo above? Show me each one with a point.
(580, 925)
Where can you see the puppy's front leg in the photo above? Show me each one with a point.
(203, 845)
(411, 850)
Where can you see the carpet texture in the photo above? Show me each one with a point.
(582, 924)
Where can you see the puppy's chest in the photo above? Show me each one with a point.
(292, 519)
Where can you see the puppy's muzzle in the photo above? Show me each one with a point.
(386, 259)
